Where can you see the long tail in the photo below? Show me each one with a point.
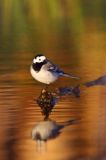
(61, 73)
(70, 75)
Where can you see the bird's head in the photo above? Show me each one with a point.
(39, 59)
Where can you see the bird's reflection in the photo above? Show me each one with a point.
(48, 129)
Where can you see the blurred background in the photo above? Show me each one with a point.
(72, 33)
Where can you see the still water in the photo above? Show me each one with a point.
(19, 113)
(79, 53)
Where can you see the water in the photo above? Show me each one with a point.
(19, 111)
(77, 50)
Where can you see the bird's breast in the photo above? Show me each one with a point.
(43, 76)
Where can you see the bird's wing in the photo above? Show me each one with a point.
(54, 68)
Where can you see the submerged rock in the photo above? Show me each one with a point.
(99, 81)
(46, 101)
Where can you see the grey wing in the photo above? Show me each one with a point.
(54, 68)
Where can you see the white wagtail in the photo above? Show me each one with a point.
(45, 71)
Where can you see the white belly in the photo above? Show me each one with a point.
(43, 76)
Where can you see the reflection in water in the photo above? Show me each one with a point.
(48, 129)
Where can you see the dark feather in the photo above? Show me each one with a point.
(55, 69)
(37, 66)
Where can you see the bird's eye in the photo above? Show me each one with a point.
(39, 59)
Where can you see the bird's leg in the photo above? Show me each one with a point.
(46, 87)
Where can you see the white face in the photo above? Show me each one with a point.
(39, 59)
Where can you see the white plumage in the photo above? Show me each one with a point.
(45, 71)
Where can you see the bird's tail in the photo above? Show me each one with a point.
(70, 75)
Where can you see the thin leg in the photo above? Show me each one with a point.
(46, 87)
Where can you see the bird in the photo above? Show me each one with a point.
(44, 71)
